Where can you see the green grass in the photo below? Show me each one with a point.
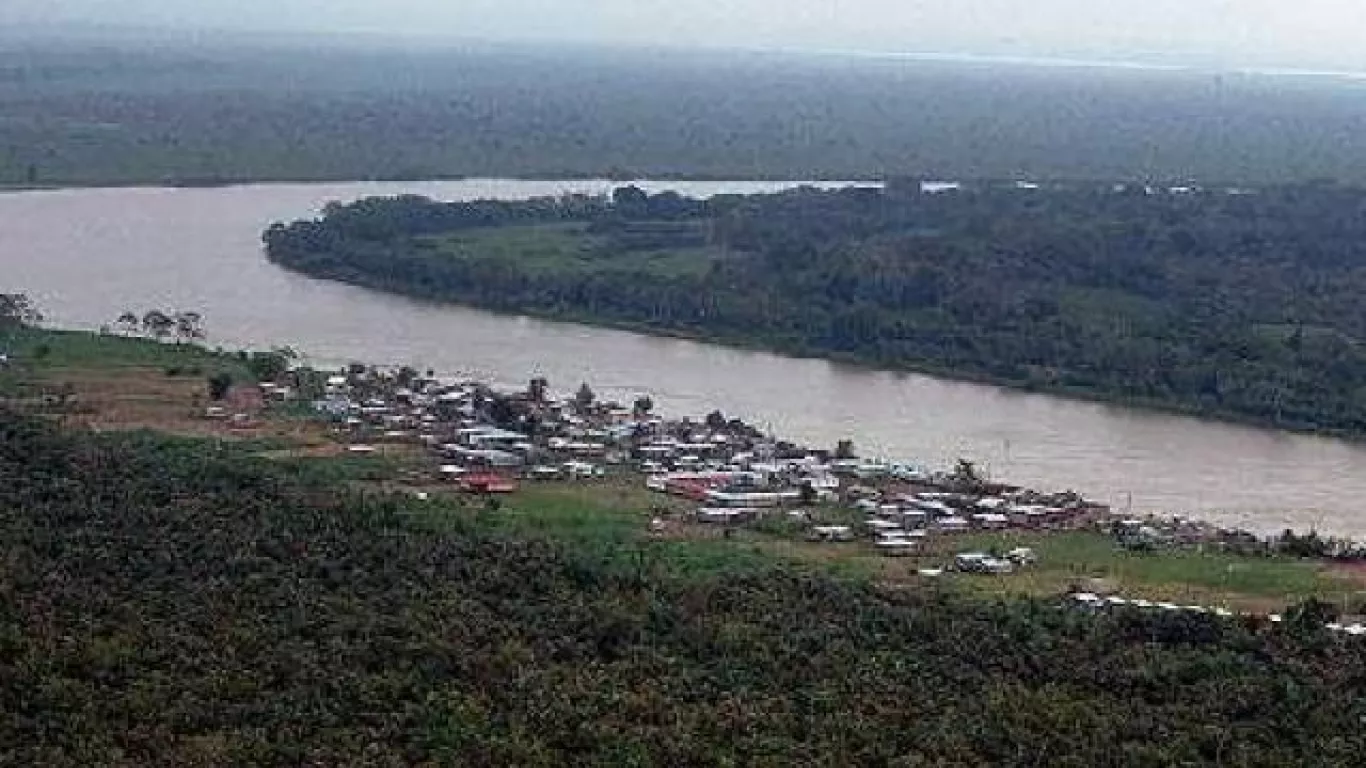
(37, 348)
(567, 248)
(346, 469)
(613, 520)
(606, 522)
(1074, 558)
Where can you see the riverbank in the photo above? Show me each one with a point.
(582, 491)
(200, 249)
(197, 602)
(855, 362)
(134, 182)
(898, 278)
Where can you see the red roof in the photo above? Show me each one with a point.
(488, 482)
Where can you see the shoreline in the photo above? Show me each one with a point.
(19, 188)
(929, 464)
(856, 362)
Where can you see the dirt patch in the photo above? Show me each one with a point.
(123, 399)
(1350, 572)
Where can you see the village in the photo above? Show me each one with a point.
(724, 475)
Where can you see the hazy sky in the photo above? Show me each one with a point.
(1303, 33)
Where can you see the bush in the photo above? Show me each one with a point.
(219, 385)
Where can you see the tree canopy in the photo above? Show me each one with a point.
(16, 309)
(172, 602)
(1235, 303)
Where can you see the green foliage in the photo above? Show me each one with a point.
(1242, 306)
(211, 114)
(17, 310)
(219, 385)
(268, 366)
(79, 349)
(177, 602)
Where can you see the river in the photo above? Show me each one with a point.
(86, 256)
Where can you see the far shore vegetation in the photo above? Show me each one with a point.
(1227, 303)
(216, 112)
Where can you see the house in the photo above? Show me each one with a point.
(831, 533)
(990, 521)
(726, 515)
(896, 547)
(487, 482)
(725, 498)
(952, 524)
(880, 527)
(544, 473)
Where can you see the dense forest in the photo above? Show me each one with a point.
(237, 110)
(171, 602)
(1236, 303)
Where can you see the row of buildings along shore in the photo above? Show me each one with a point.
(728, 473)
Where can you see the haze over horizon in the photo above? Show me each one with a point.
(1311, 34)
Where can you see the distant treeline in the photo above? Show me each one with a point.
(210, 115)
(1233, 304)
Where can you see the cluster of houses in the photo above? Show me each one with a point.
(1089, 601)
(728, 473)
(481, 441)
(898, 508)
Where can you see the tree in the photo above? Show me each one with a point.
(270, 366)
(808, 492)
(630, 201)
(189, 326)
(583, 399)
(128, 323)
(157, 324)
(844, 450)
(219, 385)
(537, 389)
(406, 376)
(967, 476)
(643, 406)
(17, 310)
(716, 421)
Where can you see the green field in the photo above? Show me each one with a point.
(613, 518)
(567, 249)
(43, 348)
(1208, 578)
(608, 521)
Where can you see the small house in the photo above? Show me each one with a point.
(488, 482)
(831, 533)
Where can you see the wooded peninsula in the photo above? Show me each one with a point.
(1234, 303)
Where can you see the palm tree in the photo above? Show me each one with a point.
(128, 322)
(157, 324)
(16, 309)
(189, 326)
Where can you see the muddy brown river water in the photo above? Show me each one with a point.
(87, 255)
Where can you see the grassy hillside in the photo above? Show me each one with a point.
(180, 601)
(170, 603)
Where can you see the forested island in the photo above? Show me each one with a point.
(1239, 304)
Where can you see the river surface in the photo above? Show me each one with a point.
(86, 256)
